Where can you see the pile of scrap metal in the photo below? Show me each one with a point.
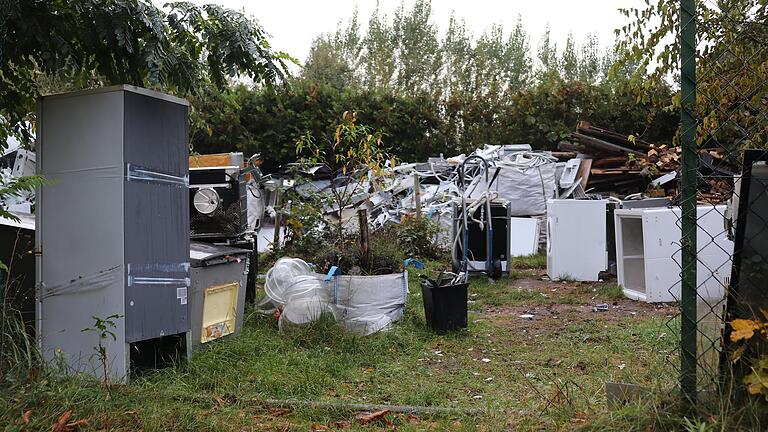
(524, 178)
(608, 162)
(16, 162)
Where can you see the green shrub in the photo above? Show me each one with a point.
(417, 236)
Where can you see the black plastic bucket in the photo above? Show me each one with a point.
(445, 307)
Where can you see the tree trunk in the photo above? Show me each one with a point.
(362, 217)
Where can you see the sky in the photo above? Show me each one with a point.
(293, 24)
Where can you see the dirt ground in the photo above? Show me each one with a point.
(563, 303)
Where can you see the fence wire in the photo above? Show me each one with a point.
(723, 203)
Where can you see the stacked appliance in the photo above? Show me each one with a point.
(224, 246)
(113, 228)
(217, 298)
(218, 202)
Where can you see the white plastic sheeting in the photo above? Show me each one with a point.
(362, 304)
(367, 304)
(527, 181)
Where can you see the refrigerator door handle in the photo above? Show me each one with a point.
(549, 235)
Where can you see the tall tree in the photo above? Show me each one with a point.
(569, 63)
(589, 68)
(456, 49)
(379, 55)
(418, 51)
(490, 62)
(518, 55)
(547, 54)
(325, 65)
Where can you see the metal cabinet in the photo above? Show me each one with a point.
(112, 226)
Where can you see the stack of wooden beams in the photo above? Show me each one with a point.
(617, 160)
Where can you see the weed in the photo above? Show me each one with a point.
(102, 327)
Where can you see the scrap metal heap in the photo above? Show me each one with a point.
(525, 177)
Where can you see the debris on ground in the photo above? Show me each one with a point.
(365, 417)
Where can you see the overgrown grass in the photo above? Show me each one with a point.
(537, 375)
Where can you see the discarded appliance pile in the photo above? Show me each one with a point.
(515, 179)
(615, 228)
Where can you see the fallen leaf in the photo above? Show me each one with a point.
(341, 424)
(412, 419)
(61, 423)
(365, 418)
(27, 415)
(743, 329)
(277, 412)
(318, 427)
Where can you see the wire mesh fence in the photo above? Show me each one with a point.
(723, 204)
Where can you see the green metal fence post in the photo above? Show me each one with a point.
(688, 198)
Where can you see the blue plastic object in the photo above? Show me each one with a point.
(413, 261)
(332, 272)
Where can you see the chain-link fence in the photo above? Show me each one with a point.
(723, 213)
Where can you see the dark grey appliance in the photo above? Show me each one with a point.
(113, 227)
(217, 203)
(747, 296)
(478, 238)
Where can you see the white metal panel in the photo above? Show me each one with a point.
(524, 236)
(576, 239)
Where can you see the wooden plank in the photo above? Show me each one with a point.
(610, 171)
(604, 145)
(615, 161)
(614, 137)
(584, 172)
(210, 160)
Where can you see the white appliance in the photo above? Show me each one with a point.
(576, 239)
(524, 236)
(648, 253)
